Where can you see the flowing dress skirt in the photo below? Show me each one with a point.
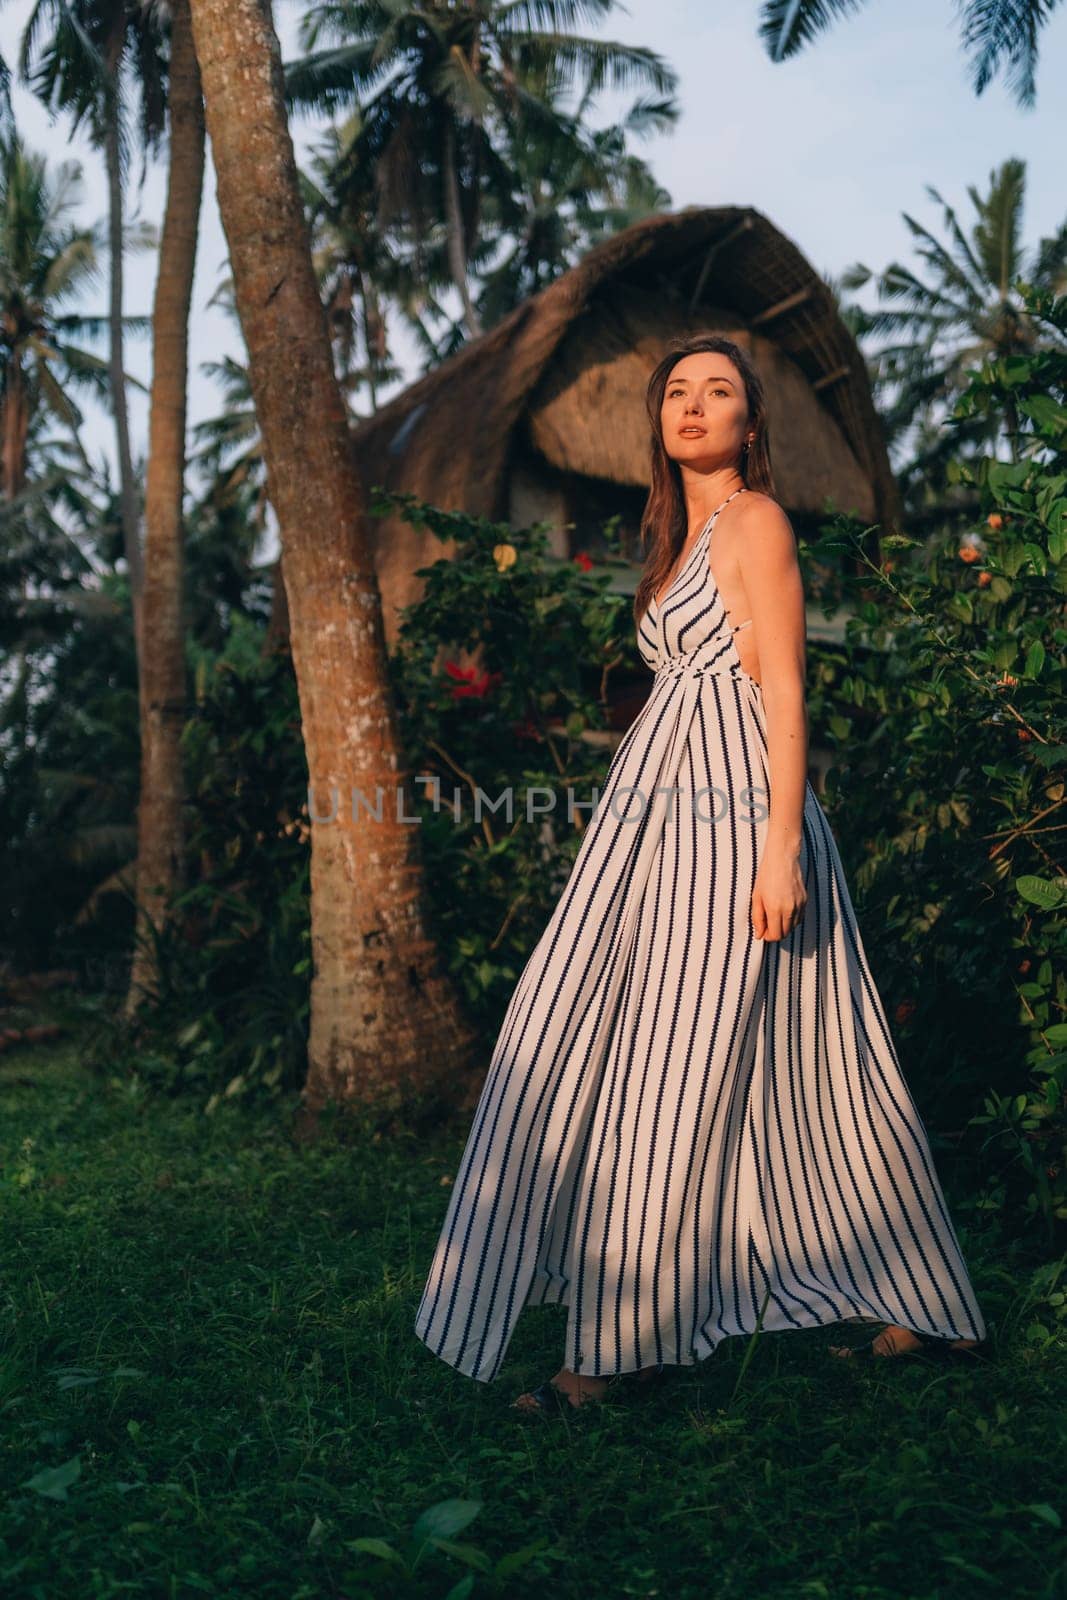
(682, 1125)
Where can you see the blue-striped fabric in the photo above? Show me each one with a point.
(683, 1124)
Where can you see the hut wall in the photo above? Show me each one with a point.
(539, 496)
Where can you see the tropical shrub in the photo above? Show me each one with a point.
(947, 791)
(526, 721)
(231, 1013)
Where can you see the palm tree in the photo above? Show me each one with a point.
(354, 262)
(994, 33)
(438, 83)
(964, 310)
(385, 1021)
(570, 191)
(80, 70)
(227, 448)
(230, 517)
(7, 115)
(160, 834)
(53, 527)
(44, 261)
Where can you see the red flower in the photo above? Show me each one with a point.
(469, 683)
(526, 730)
(904, 1010)
(583, 560)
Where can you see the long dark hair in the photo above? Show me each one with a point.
(664, 524)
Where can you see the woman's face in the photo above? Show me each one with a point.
(704, 412)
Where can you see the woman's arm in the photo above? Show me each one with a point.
(767, 560)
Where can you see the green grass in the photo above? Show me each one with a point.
(209, 1385)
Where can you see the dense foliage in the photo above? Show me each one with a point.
(948, 785)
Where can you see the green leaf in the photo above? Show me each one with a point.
(376, 1547)
(1046, 411)
(446, 1518)
(460, 1590)
(1035, 659)
(53, 1482)
(520, 1558)
(468, 1553)
(1045, 1513)
(1040, 891)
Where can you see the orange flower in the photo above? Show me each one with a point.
(968, 553)
(984, 580)
(995, 520)
(1024, 966)
(1006, 681)
(583, 560)
(1023, 735)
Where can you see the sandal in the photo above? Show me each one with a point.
(944, 1350)
(932, 1344)
(551, 1400)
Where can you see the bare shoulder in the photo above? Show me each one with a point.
(756, 510)
(762, 529)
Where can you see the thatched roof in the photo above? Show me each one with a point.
(565, 375)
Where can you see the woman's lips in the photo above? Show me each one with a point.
(698, 433)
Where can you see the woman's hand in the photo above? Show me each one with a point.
(779, 895)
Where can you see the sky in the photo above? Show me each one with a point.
(832, 146)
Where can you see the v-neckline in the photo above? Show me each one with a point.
(696, 546)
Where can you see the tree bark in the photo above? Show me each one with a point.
(131, 530)
(457, 250)
(386, 1027)
(160, 840)
(16, 426)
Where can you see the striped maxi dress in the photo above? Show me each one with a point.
(683, 1125)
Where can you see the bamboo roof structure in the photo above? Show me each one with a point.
(564, 376)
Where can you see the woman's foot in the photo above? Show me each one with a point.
(894, 1341)
(579, 1388)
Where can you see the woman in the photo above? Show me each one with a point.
(694, 1120)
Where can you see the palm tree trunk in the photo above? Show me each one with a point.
(457, 253)
(16, 426)
(1011, 427)
(371, 335)
(386, 1028)
(131, 533)
(276, 637)
(162, 675)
